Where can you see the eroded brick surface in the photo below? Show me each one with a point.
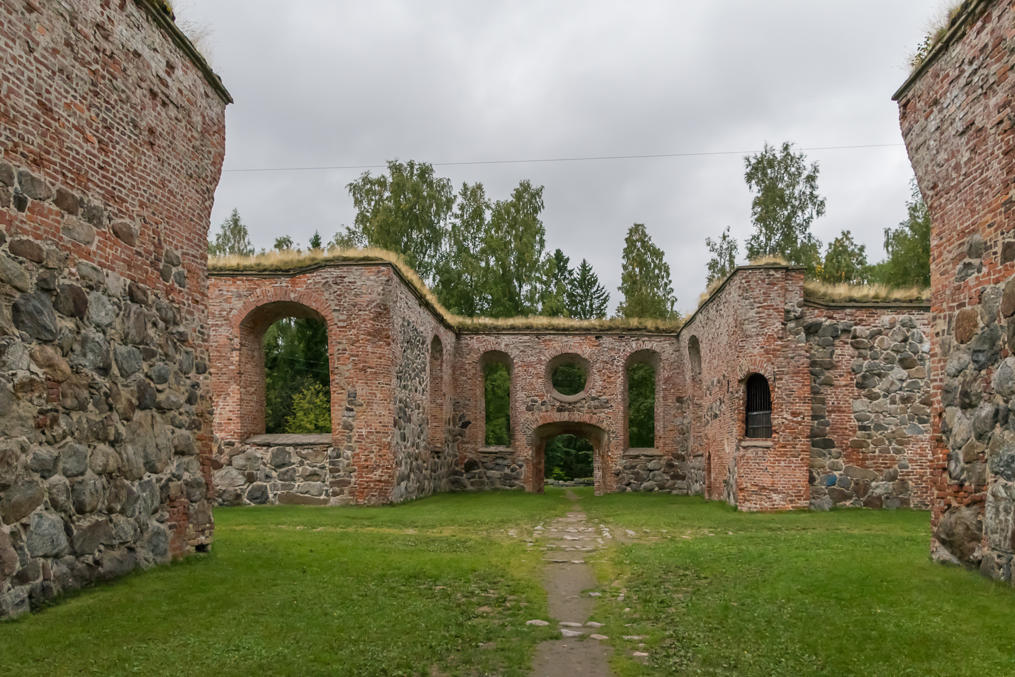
(111, 143)
(957, 122)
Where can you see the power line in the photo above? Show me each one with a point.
(587, 158)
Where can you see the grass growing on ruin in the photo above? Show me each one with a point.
(718, 592)
(436, 584)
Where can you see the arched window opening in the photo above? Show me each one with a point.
(759, 407)
(435, 414)
(641, 399)
(297, 378)
(497, 400)
(567, 458)
(694, 357)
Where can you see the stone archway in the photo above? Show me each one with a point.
(593, 433)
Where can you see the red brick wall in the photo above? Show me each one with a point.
(957, 122)
(743, 330)
(600, 414)
(379, 346)
(111, 143)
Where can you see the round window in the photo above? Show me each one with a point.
(568, 375)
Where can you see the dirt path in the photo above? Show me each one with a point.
(582, 648)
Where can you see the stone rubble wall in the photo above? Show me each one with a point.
(870, 407)
(111, 144)
(957, 122)
(272, 471)
(422, 467)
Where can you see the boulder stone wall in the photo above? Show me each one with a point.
(111, 143)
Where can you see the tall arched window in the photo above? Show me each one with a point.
(496, 367)
(436, 413)
(759, 407)
(640, 375)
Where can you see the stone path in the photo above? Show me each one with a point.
(582, 648)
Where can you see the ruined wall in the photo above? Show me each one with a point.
(870, 406)
(111, 143)
(742, 330)
(379, 338)
(537, 412)
(284, 470)
(959, 128)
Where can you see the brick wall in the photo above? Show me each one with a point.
(111, 143)
(743, 330)
(839, 436)
(959, 128)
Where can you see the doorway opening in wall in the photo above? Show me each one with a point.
(567, 451)
(568, 458)
(297, 379)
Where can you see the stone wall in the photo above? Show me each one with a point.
(285, 470)
(870, 406)
(957, 122)
(111, 144)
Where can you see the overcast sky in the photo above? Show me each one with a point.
(319, 82)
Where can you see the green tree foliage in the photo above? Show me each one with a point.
(232, 238)
(463, 270)
(558, 280)
(785, 204)
(514, 248)
(311, 410)
(315, 241)
(586, 298)
(645, 278)
(845, 261)
(641, 405)
(405, 211)
(349, 238)
(567, 457)
(284, 243)
(908, 248)
(295, 356)
(497, 399)
(569, 378)
(724, 256)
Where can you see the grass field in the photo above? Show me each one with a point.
(442, 586)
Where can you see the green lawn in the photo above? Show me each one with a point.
(852, 592)
(433, 585)
(440, 586)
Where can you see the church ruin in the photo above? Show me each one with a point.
(767, 397)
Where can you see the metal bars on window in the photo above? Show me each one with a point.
(759, 407)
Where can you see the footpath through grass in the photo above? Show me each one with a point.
(435, 585)
(853, 592)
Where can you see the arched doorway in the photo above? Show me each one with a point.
(542, 435)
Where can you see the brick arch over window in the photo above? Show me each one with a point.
(240, 397)
(647, 358)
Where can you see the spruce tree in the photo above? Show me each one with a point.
(645, 278)
(587, 299)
